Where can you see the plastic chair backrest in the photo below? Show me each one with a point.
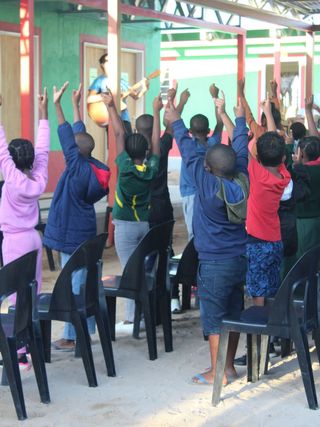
(302, 278)
(188, 264)
(157, 239)
(18, 276)
(88, 256)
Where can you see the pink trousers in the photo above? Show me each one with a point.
(15, 245)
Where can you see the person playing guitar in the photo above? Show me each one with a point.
(100, 85)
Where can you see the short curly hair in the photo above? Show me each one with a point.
(22, 153)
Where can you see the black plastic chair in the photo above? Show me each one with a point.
(145, 279)
(41, 226)
(287, 318)
(20, 327)
(63, 305)
(184, 271)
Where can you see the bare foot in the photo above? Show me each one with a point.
(207, 378)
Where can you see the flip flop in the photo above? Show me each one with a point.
(201, 380)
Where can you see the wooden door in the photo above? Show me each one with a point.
(91, 71)
(129, 73)
(10, 85)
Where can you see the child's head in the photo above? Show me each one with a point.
(220, 160)
(271, 149)
(85, 143)
(298, 130)
(276, 117)
(199, 126)
(144, 125)
(103, 61)
(136, 146)
(309, 148)
(22, 153)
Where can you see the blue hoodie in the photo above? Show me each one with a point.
(72, 218)
(215, 237)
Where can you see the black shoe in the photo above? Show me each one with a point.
(241, 361)
(272, 350)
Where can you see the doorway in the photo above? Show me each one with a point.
(132, 70)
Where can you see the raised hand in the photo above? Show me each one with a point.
(273, 88)
(171, 113)
(171, 94)
(266, 105)
(157, 103)
(214, 91)
(220, 103)
(76, 95)
(43, 104)
(308, 103)
(107, 98)
(57, 93)
(184, 96)
(239, 109)
(241, 84)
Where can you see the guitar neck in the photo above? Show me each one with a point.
(138, 84)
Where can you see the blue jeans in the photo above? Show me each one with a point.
(127, 235)
(187, 206)
(78, 278)
(220, 291)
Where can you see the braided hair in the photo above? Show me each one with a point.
(22, 153)
(136, 146)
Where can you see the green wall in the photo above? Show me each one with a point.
(60, 38)
(200, 100)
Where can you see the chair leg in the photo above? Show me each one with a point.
(137, 318)
(150, 327)
(303, 354)
(252, 358)
(220, 367)
(111, 305)
(81, 327)
(50, 259)
(46, 339)
(38, 361)
(186, 296)
(105, 339)
(165, 308)
(264, 355)
(316, 338)
(10, 364)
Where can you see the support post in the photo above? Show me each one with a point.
(241, 55)
(277, 63)
(114, 28)
(27, 68)
(309, 64)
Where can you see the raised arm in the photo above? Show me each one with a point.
(76, 97)
(273, 94)
(57, 95)
(214, 92)
(221, 108)
(42, 147)
(240, 138)
(312, 128)
(155, 139)
(117, 125)
(255, 128)
(184, 96)
(266, 108)
(78, 125)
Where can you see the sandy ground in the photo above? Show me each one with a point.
(159, 393)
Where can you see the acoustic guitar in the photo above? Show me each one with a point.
(98, 111)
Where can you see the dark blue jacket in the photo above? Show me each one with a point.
(215, 237)
(72, 218)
